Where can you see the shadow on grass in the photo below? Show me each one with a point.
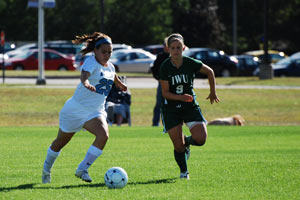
(32, 185)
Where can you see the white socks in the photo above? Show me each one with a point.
(50, 158)
(92, 154)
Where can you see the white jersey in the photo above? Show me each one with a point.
(102, 78)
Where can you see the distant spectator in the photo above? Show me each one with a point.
(235, 120)
(155, 72)
(118, 106)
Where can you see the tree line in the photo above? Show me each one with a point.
(203, 23)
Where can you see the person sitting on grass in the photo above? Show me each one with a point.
(118, 106)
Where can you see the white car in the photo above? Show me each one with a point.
(132, 60)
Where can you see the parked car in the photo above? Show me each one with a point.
(274, 55)
(121, 46)
(287, 67)
(246, 65)
(28, 60)
(9, 46)
(132, 60)
(21, 49)
(222, 64)
(154, 49)
(64, 47)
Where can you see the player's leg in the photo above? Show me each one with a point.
(99, 128)
(177, 138)
(52, 153)
(198, 134)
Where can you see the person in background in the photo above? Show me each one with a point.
(118, 106)
(85, 109)
(155, 72)
(179, 103)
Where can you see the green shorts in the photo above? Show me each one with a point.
(172, 116)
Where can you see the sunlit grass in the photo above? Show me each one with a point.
(40, 106)
(235, 163)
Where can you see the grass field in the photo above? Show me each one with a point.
(236, 163)
(40, 106)
(258, 161)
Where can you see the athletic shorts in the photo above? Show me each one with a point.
(174, 117)
(73, 116)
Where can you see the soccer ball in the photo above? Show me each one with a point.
(116, 177)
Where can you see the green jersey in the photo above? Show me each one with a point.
(181, 80)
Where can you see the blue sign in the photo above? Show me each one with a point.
(46, 3)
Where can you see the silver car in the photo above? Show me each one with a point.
(132, 60)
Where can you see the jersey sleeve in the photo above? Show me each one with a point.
(89, 65)
(163, 74)
(195, 64)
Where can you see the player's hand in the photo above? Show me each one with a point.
(213, 98)
(123, 87)
(187, 98)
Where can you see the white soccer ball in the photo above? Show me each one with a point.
(116, 177)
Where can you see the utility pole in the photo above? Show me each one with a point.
(41, 78)
(266, 70)
(41, 4)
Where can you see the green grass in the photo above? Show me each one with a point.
(236, 163)
(276, 81)
(40, 106)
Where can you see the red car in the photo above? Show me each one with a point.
(28, 60)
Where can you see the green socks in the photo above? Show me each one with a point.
(181, 160)
(190, 141)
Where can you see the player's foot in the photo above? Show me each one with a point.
(83, 175)
(185, 175)
(46, 177)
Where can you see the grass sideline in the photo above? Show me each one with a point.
(236, 163)
(41, 106)
(276, 81)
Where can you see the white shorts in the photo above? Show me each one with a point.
(73, 116)
(190, 125)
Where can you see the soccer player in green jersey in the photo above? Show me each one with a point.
(179, 104)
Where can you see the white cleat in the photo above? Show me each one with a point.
(46, 177)
(83, 175)
(185, 175)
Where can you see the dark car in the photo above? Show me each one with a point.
(28, 60)
(246, 65)
(287, 67)
(154, 49)
(222, 64)
(64, 47)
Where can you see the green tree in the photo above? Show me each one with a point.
(138, 22)
(197, 20)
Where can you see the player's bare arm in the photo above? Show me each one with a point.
(119, 83)
(84, 80)
(212, 83)
(171, 96)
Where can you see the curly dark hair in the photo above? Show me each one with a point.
(90, 40)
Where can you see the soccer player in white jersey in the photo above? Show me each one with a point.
(85, 109)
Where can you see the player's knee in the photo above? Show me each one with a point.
(201, 143)
(102, 136)
(179, 148)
